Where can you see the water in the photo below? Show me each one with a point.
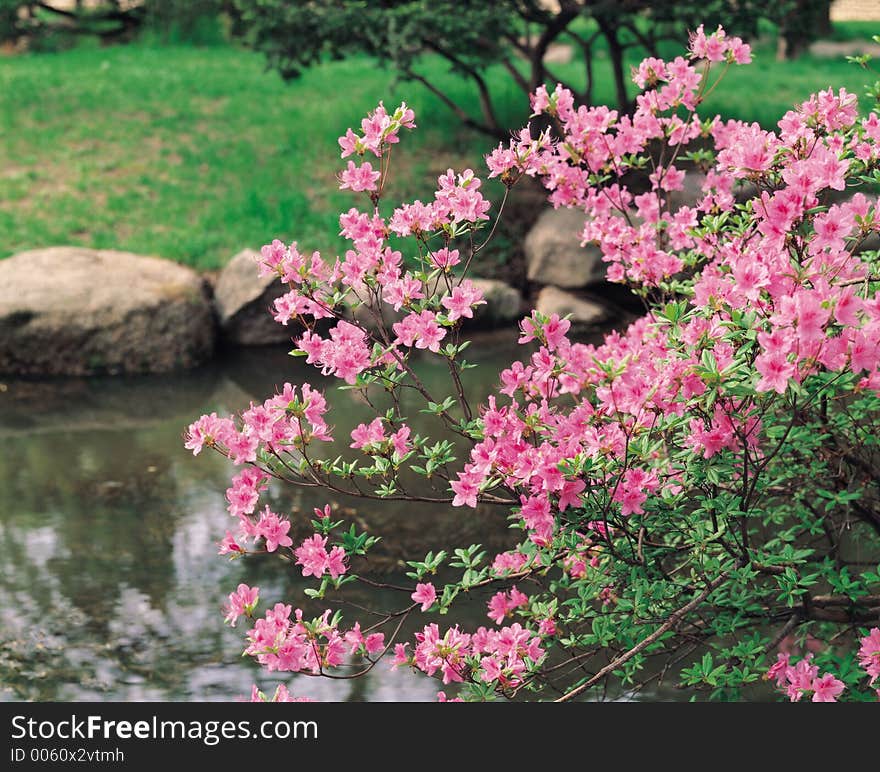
(112, 586)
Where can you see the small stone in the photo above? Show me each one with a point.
(244, 301)
(503, 304)
(583, 313)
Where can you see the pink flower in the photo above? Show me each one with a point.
(243, 446)
(555, 330)
(775, 371)
(498, 607)
(400, 441)
(336, 562)
(349, 143)
(274, 530)
(827, 688)
(368, 436)
(375, 643)
(491, 669)
(552, 331)
(208, 430)
(869, 653)
(359, 178)
(465, 489)
(400, 655)
(425, 594)
(444, 258)
(229, 546)
(462, 300)
(244, 493)
(316, 561)
(502, 604)
(779, 669)
(800, 678)
(420, 330)
(460, 198)
(241, 603)
(445, 653)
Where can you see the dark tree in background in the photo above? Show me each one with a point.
(473, 35)
(50, 24)
(114, 21)
(519, 36)
(801, 23)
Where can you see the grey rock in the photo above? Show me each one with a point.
(244, 302)
(870, 243)
(691, 191)
(554, 254)
(504, 304)
(584, 314)
(77, 311)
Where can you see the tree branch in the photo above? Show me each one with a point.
(462, 114)
(675, 619)
(486, 107)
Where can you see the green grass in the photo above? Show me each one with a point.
(844, 31)
(193, 153)
(764, 90)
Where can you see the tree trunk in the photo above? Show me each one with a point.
(809, 20)
(615, 52)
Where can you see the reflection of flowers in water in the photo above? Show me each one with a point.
(133, 643)
(112, 588)
(35, 660)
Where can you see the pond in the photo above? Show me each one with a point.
(112, 585)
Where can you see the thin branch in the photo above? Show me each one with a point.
(675, 619)
(462, 114)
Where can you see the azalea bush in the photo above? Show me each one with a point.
(695, 500)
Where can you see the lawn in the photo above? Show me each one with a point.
(193, 153)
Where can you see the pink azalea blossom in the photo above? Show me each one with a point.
(274, 530)
(229, 546)
(827, 688)
(869, 654)
(461, 302)
(315, 559)
(241, 602)
(425, 594)
(359, 178)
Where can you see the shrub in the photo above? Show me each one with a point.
(692, 497)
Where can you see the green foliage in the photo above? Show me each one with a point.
(473, 35)
(199, 22)
(55, 26)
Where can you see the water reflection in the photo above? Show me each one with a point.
(112, 585)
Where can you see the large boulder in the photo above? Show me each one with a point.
(584, 315)
(503, 304)
(244, 300)
(77, 311)
(554, 254)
